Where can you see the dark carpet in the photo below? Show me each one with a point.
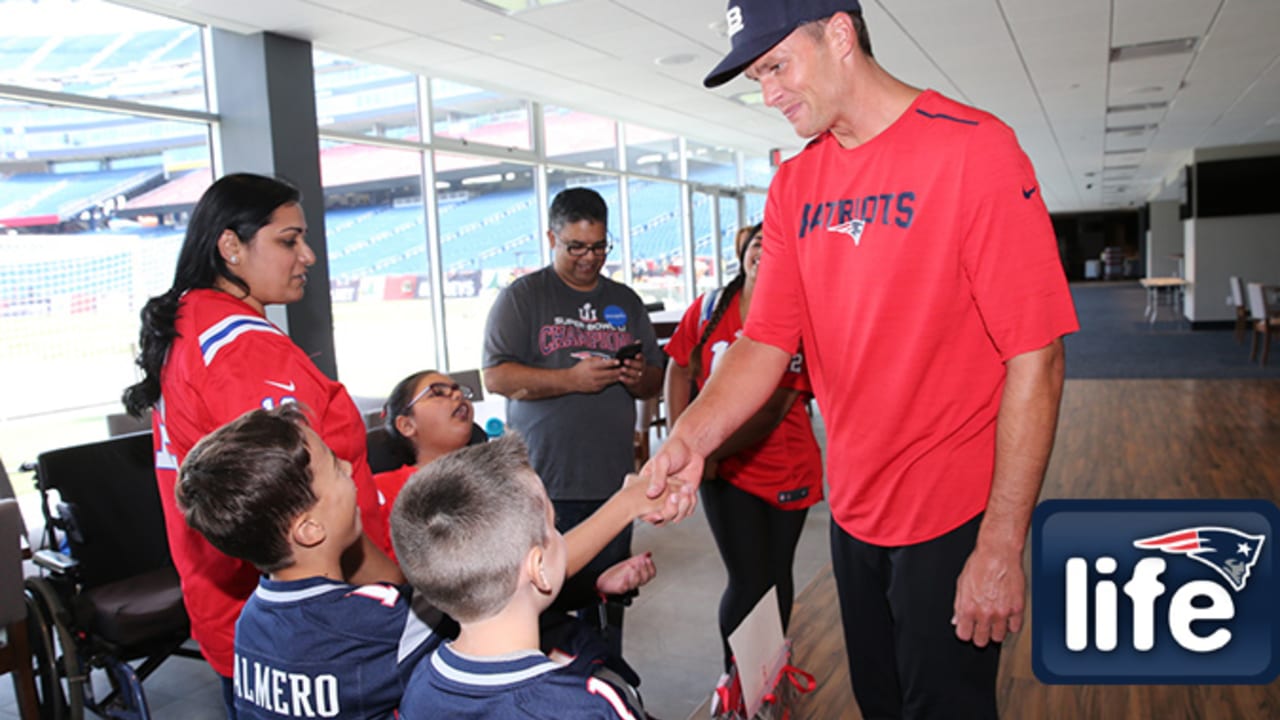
(1116, 341)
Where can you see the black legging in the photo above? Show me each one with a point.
(757, 543)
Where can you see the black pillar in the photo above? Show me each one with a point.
(266, 100)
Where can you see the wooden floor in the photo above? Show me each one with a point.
(1116, 439)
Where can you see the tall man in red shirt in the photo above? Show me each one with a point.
(910, 250)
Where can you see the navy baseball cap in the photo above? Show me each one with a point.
(755, 26)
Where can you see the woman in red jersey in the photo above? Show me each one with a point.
(760, 483)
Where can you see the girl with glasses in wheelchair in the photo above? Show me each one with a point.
(428, 415)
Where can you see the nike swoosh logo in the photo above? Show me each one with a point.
(285, 387)
(1026, 194)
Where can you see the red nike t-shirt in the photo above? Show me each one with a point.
(912, 266)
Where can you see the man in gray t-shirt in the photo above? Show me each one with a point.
(549, 348)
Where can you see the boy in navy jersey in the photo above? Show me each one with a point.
(266, 489)
(475, 534)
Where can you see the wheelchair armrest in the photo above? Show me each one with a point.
(55, 561)
(624, 599)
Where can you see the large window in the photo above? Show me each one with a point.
(102, 50)
(711, 164)
(379, 275)
(488, 237)
(578, 138)
(463, 112)
(364, 99)
(657, 256)
(652, 152)
(90, 236)
(756, 171)
(728, 233)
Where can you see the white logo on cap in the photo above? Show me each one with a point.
(734, 18)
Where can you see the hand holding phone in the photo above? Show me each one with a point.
(627, 352)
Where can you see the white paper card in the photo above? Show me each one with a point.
(760, 650)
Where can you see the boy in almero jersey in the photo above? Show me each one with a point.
(475, 533)
(266, 489)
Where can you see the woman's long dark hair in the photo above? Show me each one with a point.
(743, 240)
(242, 203)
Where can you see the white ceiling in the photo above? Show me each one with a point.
(1040, 65)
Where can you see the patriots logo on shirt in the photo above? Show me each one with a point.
(853, 229)
(1231, 553)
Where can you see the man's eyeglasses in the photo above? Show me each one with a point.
(577, 249)
(440, 390)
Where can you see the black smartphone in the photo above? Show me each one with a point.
(626, 352)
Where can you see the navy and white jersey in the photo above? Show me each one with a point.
(318, 648)
(520, 685)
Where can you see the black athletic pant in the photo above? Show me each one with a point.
(904, 658)
(757, 543)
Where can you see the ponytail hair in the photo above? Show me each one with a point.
(242, 203)
(741, 241)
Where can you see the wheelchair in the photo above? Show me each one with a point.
(108, 595)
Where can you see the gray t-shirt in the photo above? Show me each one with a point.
(580, 443)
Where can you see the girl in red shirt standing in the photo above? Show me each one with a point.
(760, 483)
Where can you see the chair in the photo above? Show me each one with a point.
(1112, 262)
(15, 652)
(1265, 320)
(125, 424)
(6, 493)
(1242, 310)
(115, 598)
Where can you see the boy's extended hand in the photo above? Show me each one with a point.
(640, 505)
(627, 575)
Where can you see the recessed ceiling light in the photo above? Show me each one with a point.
(497, 37)
(1158, 48)
(1132, 129)
(751, 98)
(1138, 107)
(513, 7)
(676, 59)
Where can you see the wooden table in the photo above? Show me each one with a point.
(1171, 287)
(817, 643)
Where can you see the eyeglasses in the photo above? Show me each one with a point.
(440, 390)
(577, 249)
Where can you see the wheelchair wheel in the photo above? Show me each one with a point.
(57, 662)
(44, 660)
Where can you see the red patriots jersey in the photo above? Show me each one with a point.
(227, 360)
(784, 469)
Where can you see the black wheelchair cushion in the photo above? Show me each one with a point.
(139, 609)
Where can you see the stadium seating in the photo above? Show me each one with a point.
(42, 198)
